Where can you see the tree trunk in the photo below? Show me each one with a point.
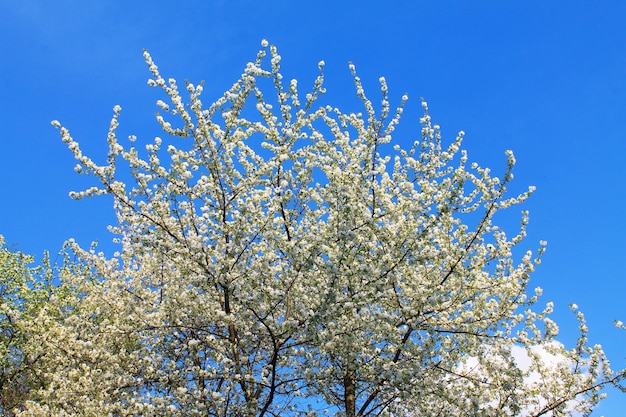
(349, 386)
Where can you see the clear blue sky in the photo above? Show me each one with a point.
(544, 78)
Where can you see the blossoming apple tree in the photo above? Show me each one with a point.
(36, 311)
(20, 301)
(281, 257)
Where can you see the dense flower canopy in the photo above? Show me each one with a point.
(280, 257)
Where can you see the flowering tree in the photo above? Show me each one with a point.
(53, 339)
(19, 302)
(282, 258)
(28, 301)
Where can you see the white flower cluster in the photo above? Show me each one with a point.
(274, 249)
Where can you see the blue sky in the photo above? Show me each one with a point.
(545, 79)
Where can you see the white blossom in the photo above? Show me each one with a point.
(288, 251)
